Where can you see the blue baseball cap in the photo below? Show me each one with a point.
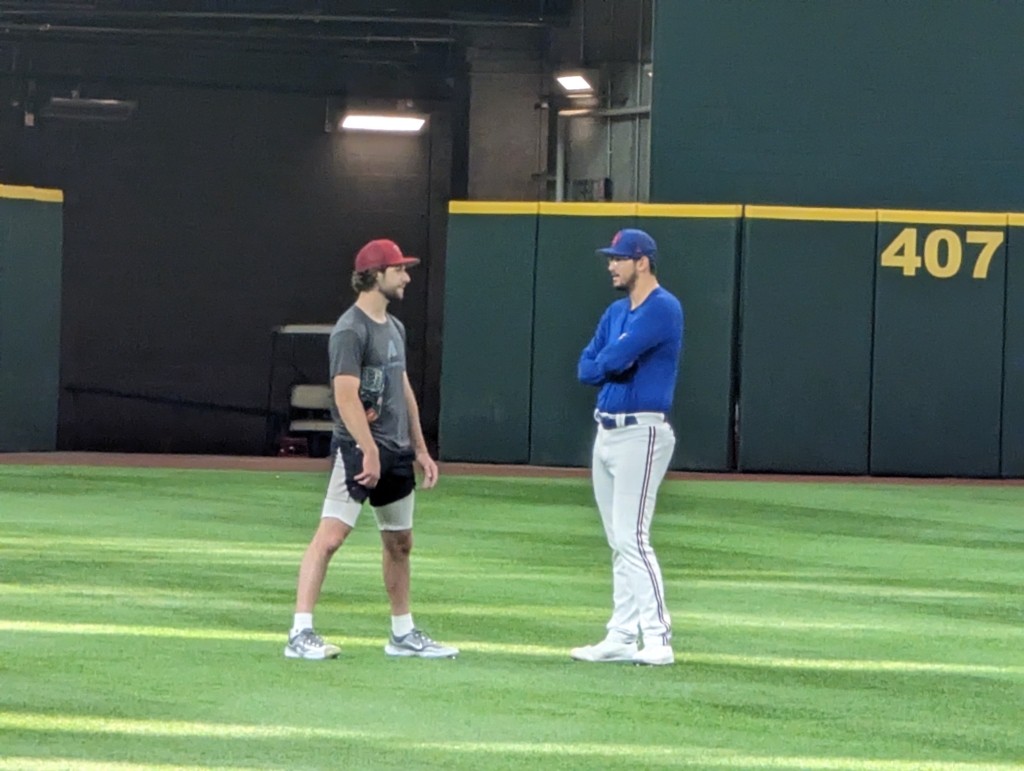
(632, 244)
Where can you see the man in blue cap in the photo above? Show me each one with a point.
(634, 358)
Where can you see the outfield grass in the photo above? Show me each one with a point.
(143, 616)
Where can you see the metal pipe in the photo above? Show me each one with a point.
(609, 75)
(542, 130)
(560, 159)
(315, 18)
(639, 98)
(583, 33)
(609, 87)
(636, 159)
(197, 33)
(606, 112)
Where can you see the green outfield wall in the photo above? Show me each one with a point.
(940, 301)
(31, 244)
(824, 341)
(488, 332)
(1012, 428)
(805, 342)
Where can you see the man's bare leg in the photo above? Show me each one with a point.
(303, 642)
(329, 537)
(397, 546)
(406, 639)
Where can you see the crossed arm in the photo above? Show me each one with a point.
(602, 361)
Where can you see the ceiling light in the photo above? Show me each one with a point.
(394, 123)
(574, 83)
(77, 108)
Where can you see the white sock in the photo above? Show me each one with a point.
(402, 625)
(302, 621)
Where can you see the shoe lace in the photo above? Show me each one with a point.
(417, 636)
(310, 638)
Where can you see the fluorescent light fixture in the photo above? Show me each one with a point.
(76, 108)
(393, 123)
(574, 83)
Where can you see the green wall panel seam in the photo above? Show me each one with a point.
(533, 340)
(737, 327)
(871, 348)
(1002, 362)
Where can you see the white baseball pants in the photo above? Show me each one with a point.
(628, 466)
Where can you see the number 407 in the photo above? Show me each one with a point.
(902, 252)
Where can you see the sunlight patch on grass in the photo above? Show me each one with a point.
(661, 755)
(512, 649)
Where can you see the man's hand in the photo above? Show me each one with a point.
(429, 469)
(371, 469)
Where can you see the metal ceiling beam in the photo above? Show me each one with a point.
(19, 10)
(58, 30)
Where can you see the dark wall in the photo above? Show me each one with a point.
(223, 209)
(909, 104)
(199, 225)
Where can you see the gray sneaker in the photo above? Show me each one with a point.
(418, 644)
(307, 644)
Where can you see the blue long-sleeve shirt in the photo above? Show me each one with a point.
(634, 355)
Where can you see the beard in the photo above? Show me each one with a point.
(392, 294)
(626, 286)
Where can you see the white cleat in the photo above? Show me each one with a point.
(307, 644)
(606, 650)
(655, 655)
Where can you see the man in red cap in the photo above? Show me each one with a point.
(378, 435)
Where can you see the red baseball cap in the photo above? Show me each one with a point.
(380, 254)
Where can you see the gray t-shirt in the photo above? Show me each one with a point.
(375, 353)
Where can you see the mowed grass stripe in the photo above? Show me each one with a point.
(71, 764)
(591, 577)
(205, 601)
(511, 649)
(659, 754)
(816, 627)
(430, 565)
(678, 758)
(252, 549)
(238, 635)
(364, 560)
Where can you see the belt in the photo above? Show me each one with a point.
(622, 419)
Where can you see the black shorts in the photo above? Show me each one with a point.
(397, 475)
